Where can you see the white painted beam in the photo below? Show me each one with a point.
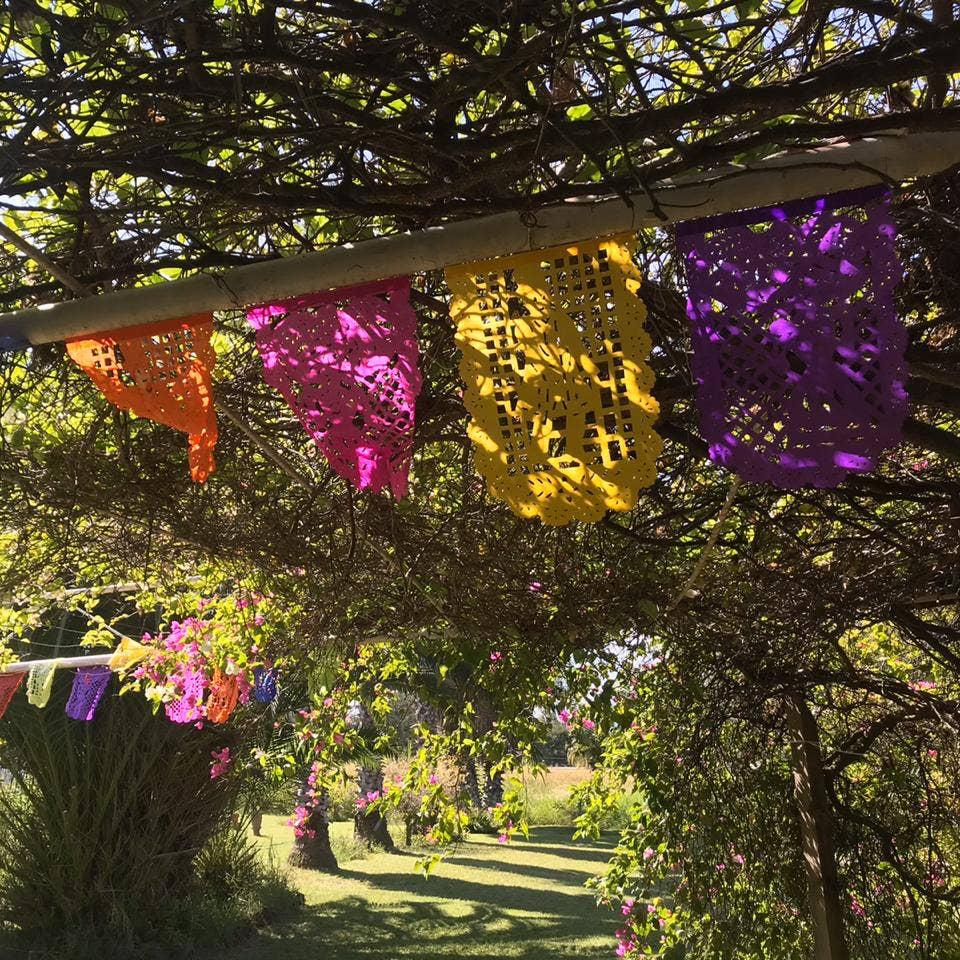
(894, 156)
(94, 660)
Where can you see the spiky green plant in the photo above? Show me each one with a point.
(103, 823)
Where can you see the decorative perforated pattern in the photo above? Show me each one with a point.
(161, 372)
(346, 362)
(224, 693)
(798, 351)
(555, 378)
(9, 684)
(89, 684)
(188, 707)
(264, 684)
(40, 683)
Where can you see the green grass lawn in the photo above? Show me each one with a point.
(488, 901)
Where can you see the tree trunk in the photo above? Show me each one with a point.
(371, 828)
(493, 787)
(469, 768)
(816, 828)
(312, 850)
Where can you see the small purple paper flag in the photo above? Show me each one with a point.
(89, 684)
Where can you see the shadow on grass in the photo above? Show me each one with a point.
(562, 837)
(571, 875)
(597, 851)
(510, 911)
(352, 928)
(543, 902)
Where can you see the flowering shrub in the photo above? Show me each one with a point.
(226, 634)
(333, 733)
(309, 799)
(222, 762)
(368, 799)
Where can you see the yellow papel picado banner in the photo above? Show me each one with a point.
(556, 380)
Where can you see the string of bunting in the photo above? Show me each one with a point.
(224, 694)
(89, 686)
(9, 684)
(40, 683)
(798, 356)
(90, 682)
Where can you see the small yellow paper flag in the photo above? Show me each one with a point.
(127, 654)
(556, 379)
(40, 683)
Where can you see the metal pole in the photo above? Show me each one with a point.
(892, 156)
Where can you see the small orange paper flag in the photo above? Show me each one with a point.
(223, 696)
(160, 371)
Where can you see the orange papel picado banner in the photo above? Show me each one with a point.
(160, 371)
(224, 693)
(556, 379)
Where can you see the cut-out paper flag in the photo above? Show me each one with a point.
(161, 372)
(556, 379)
(346, 362)
(9, 684)
(224, 692)
(89, 684)
(264, 684)
(128, 654)
(12, 343)
(798, 352)
(40, 683)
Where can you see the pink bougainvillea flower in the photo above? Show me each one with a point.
(222, 761)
